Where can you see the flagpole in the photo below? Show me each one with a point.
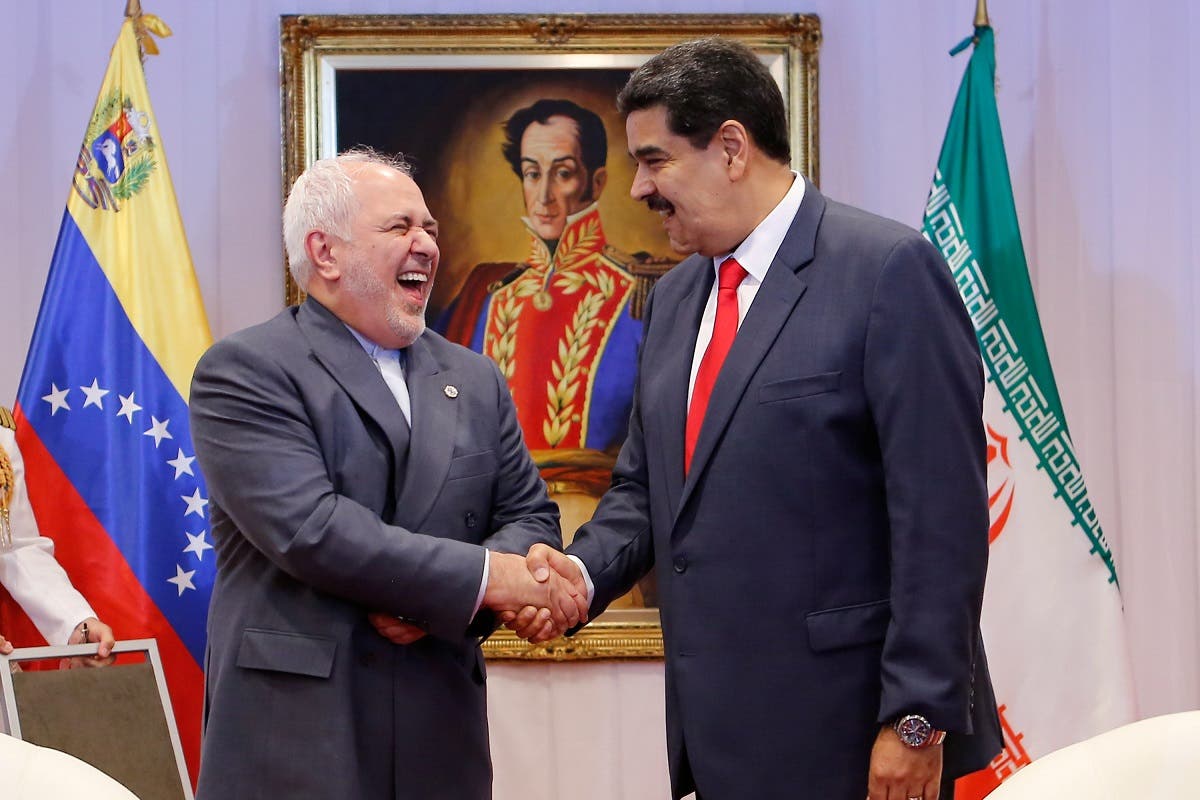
(145, 27)
(981, 15)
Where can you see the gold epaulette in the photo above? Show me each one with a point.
(619, 257)
(645, 268)
(6, 419)
(508, 271)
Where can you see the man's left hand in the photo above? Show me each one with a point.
(900, 772)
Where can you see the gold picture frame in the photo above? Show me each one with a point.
(401, 82)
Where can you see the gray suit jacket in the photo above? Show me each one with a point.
(821, 567)
(325, 507)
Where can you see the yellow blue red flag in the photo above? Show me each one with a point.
(101, 410)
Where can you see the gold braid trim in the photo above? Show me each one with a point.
(573, 348)
(8, 484)
(577, 245)
(507, 316)
(539, 255)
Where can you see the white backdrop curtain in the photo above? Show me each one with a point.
(1100, 104)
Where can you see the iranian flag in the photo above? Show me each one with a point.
(1052, 619)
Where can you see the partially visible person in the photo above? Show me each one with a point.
(372, 502)
(805, 466)
(27, 566)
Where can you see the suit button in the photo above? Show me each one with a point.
(681, 565)
(470, 519)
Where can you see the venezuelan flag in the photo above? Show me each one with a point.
(102, 406)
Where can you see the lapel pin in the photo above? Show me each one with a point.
(451, 390)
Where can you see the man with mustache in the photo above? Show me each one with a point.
(805, 466)
(372, 500)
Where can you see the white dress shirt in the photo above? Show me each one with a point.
(391, 367)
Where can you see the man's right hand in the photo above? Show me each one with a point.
(551, 603)
(544, 562)
(5, 646)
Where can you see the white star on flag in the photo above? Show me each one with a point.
(158, 430)
(195, 503)
(196, 544)
(182, 465)
(182, 579)
(57, 399)
(94, 394)
(128, 407)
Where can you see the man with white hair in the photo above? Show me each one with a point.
(372, 501)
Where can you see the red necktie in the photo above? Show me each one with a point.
(724, 329)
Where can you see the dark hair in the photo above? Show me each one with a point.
(593, 141)
(703, 83)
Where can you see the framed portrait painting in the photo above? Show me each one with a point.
(510, 125)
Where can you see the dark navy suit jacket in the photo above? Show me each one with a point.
(821, 567)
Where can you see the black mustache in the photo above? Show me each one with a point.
(656, 202)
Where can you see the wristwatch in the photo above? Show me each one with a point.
(916, 731)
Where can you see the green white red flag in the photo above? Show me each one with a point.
(1052, 619)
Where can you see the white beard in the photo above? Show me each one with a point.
(407, 321)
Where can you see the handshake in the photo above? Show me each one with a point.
(538, 596)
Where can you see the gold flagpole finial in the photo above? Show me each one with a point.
(143, 26)
(981, 15)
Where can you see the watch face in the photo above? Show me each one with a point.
(914, 730)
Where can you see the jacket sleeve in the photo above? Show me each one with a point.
(617, 545)
(924, 385)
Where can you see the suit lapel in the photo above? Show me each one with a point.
(781, 290)
(682, 324)
(344, 358)
(434, 422)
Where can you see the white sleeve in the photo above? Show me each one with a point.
(483, 582)
(587, 579)
(28, 569)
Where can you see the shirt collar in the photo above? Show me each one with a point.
(375, 351)
(757, 251)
